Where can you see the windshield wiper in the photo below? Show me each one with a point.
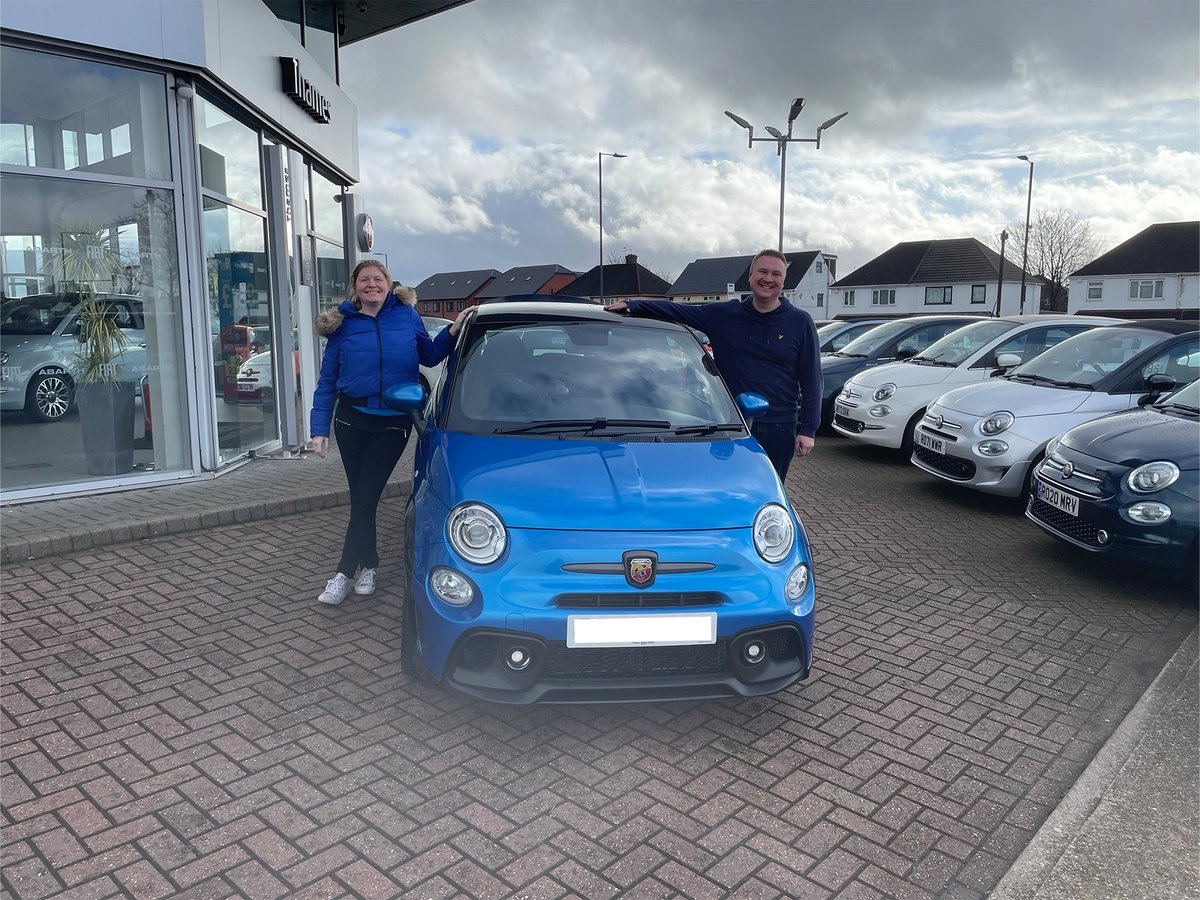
(930, 361)
(1042, 379)
(850, 355)
(710, 428)
(585, 426)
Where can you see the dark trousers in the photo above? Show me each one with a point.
(778, 439)
(370, 447)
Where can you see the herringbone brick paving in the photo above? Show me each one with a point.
(182, 719)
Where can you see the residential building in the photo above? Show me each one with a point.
(545, 279)
(192, 159)
(1156, 273)
(448, 293)
(806, 286)
(622, 281)
(938, 276)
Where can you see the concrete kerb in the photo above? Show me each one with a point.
(1128, 827)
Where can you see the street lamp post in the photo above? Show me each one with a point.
(1025, 254)
(781, 141)
(1000, 280)
(600, 173)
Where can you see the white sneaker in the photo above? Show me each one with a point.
(365, 582)
(336, 590)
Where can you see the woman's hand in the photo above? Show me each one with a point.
(456, 325)
(320, 445)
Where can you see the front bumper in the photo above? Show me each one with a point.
(960, 462)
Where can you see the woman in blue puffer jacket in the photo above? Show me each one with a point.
(375, 340)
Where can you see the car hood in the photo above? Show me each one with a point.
(835, 365)
(605, 485)
(1137, 436)
(1017, 397)
(12, 343)
(903, 374)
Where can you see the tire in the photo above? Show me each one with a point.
(50, 396)
(909, 440)
(410, 653)
(1030, 480)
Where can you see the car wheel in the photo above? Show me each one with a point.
(410, 654)
(49, 396)
(908, 442)
(1030, 480)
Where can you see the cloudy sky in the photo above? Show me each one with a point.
(480, 127)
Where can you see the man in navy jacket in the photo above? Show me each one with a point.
(764, 345)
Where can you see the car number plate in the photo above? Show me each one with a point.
(841, 409)
(1068, 503)
(641, 630)
(929, 442)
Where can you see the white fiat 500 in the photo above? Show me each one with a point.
(990, 436)
(882, 406)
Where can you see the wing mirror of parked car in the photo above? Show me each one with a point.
(1006, 361)
(906, 353)
(752, 405)
(1157, 385)
(409, 398)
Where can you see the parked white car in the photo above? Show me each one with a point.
(991, 436)
(882, 406)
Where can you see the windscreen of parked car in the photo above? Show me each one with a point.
(875, 340)
(959, 344)
(1083, 360)
(564, 377)
(37, 314)
(434, 325)
(1185, 401)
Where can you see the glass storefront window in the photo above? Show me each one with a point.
(71, 114)
(68, 244)
(239, 305)
(332, 287)
(229, 155)
(326, 208)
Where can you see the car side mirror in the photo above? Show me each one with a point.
(752, 405)
(1157, 385)
(1008, 360)
(906, 353)
(407, 397)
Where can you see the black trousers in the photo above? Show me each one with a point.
(778, 439)
(370, 447)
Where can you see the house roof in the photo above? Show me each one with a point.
(1166, 248)
(523, 280)
(713, 276)
(630, 279)
(930, 262)
(454, 285)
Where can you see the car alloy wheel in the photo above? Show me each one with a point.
(49, 396)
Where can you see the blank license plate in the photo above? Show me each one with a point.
(641, 630)
(929, 442)
(1068, 503)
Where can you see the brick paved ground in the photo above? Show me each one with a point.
(180, 718)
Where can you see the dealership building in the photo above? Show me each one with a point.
(186, 168)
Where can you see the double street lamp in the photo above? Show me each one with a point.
(1028, 205)
(600, 173)
(781, 141)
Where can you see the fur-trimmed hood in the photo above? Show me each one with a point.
(330, 321)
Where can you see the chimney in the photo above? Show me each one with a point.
(630, 259)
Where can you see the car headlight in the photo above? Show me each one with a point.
(476, 533)
(997, 422)
(992, 448)
(773, 532)
(1149, 512)
(1153, 476)
(884, 392)
(797, 583)
(880, 411)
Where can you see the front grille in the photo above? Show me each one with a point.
(1064, 523)
(636, 662)
(950, 465)
(1080, 482)
(849, 424)
(657, 600)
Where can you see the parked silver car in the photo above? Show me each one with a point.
(38, 344)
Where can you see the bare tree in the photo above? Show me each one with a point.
(1059, 243)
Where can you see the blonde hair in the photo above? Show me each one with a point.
(367, 264)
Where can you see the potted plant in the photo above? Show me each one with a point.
(87, 260)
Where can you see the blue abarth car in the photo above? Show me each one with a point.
(1128, 485)
(591, 520)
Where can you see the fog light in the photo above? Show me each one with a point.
(991, 448)
(1149, 512)
(1102, 536)
(880, 411)
(517, 658)
(754, 652)
(451, 587)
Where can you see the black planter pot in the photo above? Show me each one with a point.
(106, 414)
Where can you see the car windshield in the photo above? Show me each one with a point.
(1187, 399)
(1083, 360)
(958, 345)
(588, 378)
(876, 339)
(39, 314)
(434, 325)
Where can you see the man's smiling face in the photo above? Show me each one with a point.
(766, 279)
